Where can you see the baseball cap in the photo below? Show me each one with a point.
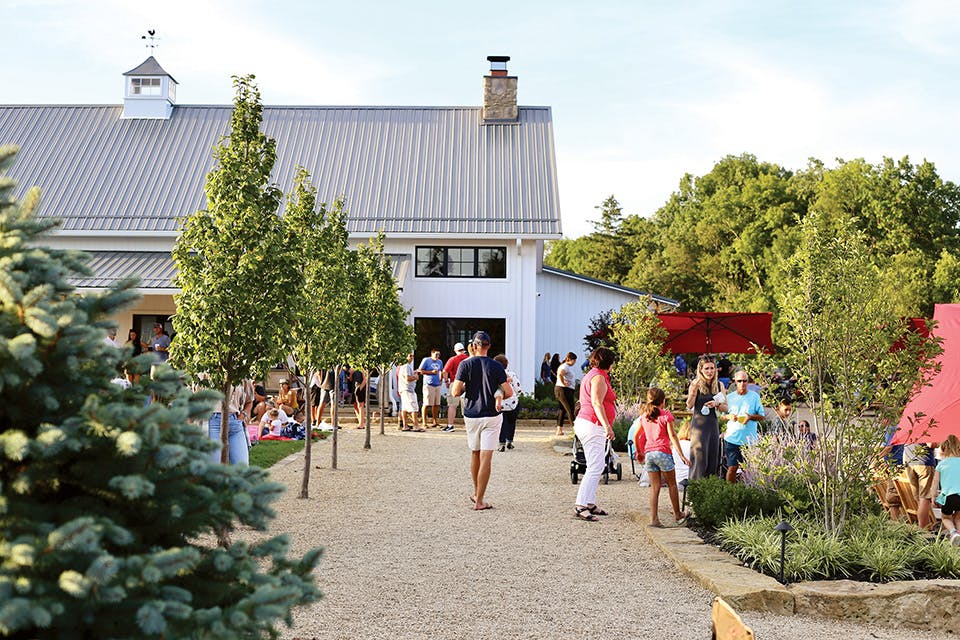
(482, 337)
(459, 347)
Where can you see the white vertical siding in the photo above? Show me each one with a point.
(564, 309)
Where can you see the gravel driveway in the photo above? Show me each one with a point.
(406, 557)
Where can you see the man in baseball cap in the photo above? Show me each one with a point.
(447, 375)
(477, 380)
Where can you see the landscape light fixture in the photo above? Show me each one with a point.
(783, 527)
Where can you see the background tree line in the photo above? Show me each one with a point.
(716, 244)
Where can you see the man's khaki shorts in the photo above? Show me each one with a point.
(921, 479)
(431, 396)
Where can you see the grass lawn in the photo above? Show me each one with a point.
(266, 453)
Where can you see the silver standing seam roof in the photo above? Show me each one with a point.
(156, 269)
(402, 170)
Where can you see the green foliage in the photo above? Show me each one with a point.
(872, 548)
(717, 242)
(388, 337)
(639, 338)
(228, 328)
(716, 501)
(544, 391)
(840, 330)
(269, 452)
(107, 502)
(600, 254)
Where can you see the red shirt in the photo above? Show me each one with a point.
(452, 364)
(586, 404)
(653, 435)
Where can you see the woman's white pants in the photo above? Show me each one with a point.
(593, 437)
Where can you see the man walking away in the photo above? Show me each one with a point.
(477, 380)
(448, 374)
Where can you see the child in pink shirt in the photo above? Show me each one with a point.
(653, 446)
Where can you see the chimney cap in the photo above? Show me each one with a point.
(498, 58)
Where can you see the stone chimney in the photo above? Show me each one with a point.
(499, 93)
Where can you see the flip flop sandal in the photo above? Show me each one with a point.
(583, 513)
(597, 511)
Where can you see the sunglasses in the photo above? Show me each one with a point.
(743, 381)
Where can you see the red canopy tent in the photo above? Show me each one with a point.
(715, 332)
(940, 402)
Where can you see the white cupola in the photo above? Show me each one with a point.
(148, 91)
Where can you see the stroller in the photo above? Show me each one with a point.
(578, 466)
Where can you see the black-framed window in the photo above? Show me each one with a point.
(461, 262)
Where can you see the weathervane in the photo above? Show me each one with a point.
(151, 39)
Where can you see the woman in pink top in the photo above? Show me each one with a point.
(593, 427)
(653, 446)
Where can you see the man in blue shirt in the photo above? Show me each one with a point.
(744, 410)
(430, 369)
(478, 379)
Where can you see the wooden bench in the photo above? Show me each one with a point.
(727, 625)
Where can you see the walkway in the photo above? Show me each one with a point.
(407, 558)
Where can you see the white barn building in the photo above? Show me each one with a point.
(466, 196)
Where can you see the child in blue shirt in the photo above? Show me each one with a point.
(947, 478)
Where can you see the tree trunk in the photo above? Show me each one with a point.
(382, 394)
(366, 411)
(308, 422)
(225, 422)
(335, 417)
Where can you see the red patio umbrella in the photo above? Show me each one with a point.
(940, 402)
(716, 332)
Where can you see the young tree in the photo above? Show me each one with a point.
(105, 500)
(318, 236)
(840, 331)
(389, 338)
(236, 275)
(640, 362)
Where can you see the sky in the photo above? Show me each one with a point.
(642, 92)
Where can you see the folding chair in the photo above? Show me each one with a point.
(727, 625)
(908, 500)
(881, 489)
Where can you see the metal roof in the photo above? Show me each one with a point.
(670, 302)
(403, 170)
(156, 269)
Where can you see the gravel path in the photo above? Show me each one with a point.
(407, 558)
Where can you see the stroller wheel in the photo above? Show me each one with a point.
(573, 476)
(606, 476)
(619, 471)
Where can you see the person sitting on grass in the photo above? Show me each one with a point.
(272, 421)
(947, 478)
(653, 445)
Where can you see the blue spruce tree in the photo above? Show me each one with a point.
(109, 505)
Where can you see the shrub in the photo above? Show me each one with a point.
(715, 501)
(105, 500)
(872, 548)
(544, 391)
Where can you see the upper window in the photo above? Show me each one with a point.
(462, 262)
(145, 86)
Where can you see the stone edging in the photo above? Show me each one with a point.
(918, 604)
